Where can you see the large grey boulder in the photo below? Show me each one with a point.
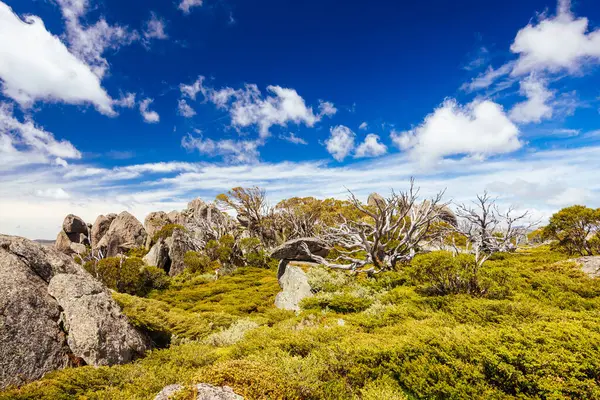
(100, 228)
(97, 331)
(376, 200)
(63, 243)
(154, 222)
(158, 256)
(74, 224)
(203, 391)
(294, 250)
(589, 265)
(180, 243)
(54, 314)
(294, 287)
(125, 233)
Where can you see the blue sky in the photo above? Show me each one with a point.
(143, 105)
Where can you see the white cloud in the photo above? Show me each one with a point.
(371, 147)
(187, 5)
(557, 43)
(326, 108)
(292, 138)
(184, 109)
(536, 107)
(487, 78)
(126, 101)
(479, 129)
(90, 42)
(52, 193)
(150, 117)
(35, 65)
(232, 151)
(341, 142)
(155, 28)
(192, 90)
(61, 162)
(24, 143)
(248, 107)
(364, 126)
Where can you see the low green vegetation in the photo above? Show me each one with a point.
(417, 333)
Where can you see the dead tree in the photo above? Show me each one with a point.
(489, 231)
(388, 233)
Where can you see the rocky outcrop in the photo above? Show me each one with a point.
(125, 233)
(100, 228)
(158, 256)
(202, 391)
(293, 250)
(54, 314)
(73, 225)
(154, 222)
(376, 200)
(294, 287)
(73, 236)
(180, 243)
(589, 265)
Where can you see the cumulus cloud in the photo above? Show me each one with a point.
(249, 107)
(150, 117)
(23, 143)
(555, 44)
(232, 151)
(187, 5)
(364, 126)
(52, 193)
(126, 101)
(35, 65)
(536, 107)
(479, 129)
(155, 28)
(340, 142)
(371, 147)
(89, 43)
(184, 109)
(292, 138)
(487, 78)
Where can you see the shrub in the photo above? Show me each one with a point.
(198, 262)
(254, 253)
(167, 231)
(127, 275)
(443, 273)
(572, 228)
(233, 334)
(323, 279)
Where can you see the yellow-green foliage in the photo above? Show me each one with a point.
(198, 262)
(167, 231)
(533, 335)
(128, 275)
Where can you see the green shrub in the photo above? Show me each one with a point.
(443, 273)
(167, 231)
(197, 262)
(127, 275)
(254, 253)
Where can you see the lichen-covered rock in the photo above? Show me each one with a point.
(294, 249)
(155, 221)
(376, 200)
(589, 265)
(48, 303)
(125, 233)
(78, 248)
(74, 224)
(97, 331)
(203, 392)
(100, 228)
(180, 243)
(294, 287)
(158, 256)
(63, 243)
